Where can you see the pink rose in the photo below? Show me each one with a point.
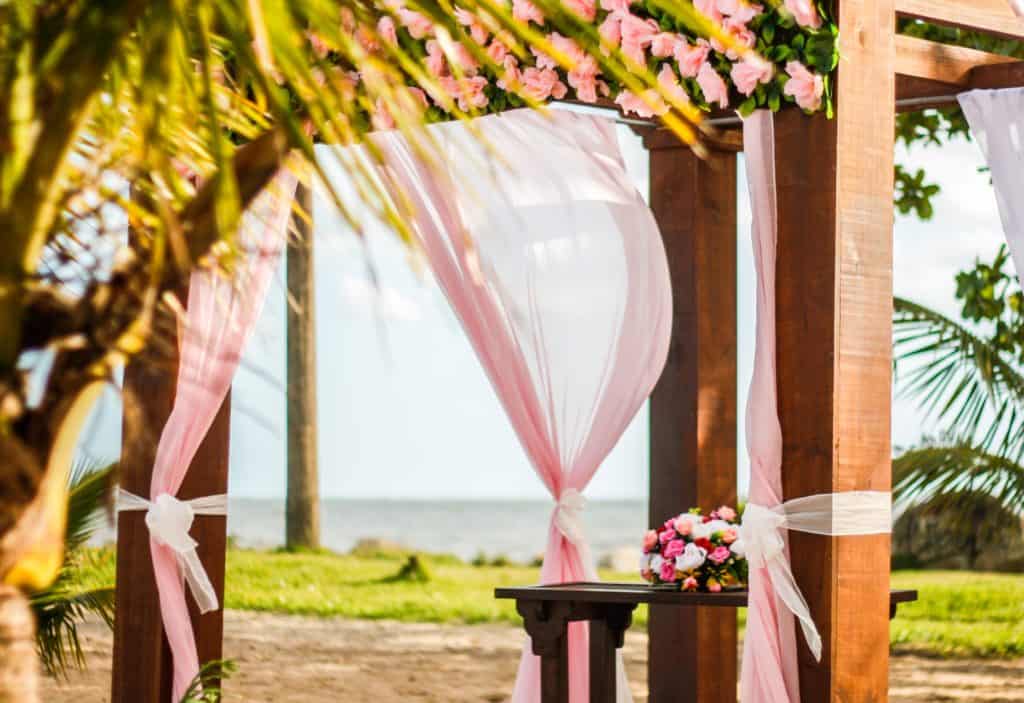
(650, 540)
(714, 586)
(725, 512)
(691, 57)
(476, 29)
(497, 51)
(419, 26)
(746, 75)
(585, 84)
(729, 535)
(584, 9)
(563, 45)
(805, 87)
(540, 84)
(746, 11)
(468, 92)
(543, 60)
(741, 37)
(708, 8)
(713, 87)
(381, 118)
(386, 30)
(638, 31)
(669, 84)
(419, 96)
(673, 549)
(690, 584)
(684, 526)
(668, 571)
(664, 44)
(719, 555)
(464, 59)
(616, 5)
(511, 79)
(526, 11)
(805, 13)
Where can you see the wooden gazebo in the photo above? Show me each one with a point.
(834, 311)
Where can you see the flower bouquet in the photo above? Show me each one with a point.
(696, 552)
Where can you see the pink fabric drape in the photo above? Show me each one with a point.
(769, 672)
(556, 269)
(219, 319)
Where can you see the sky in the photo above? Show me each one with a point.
(404, 408)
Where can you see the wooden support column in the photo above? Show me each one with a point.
(142, 659)
(692, 651)
(834, 308)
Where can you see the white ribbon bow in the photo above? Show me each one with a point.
(169, 521)
(835, 514)
(569, 515)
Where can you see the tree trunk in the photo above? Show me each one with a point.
(302, 513)
(19, 668)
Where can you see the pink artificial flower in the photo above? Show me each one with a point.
(611, 29)
(719, 555)
(469, 92)
(670, 86)
(690, 584)
(583, 79)
(511, 80)
(637, 35)
(476, 30)
(684, 525)
(650, 540)
(664, 44)
(708, 8)
(739, 34)
(665, 535)
(746, 11)
(746, 74)
(584, 9)
(616, 5)
(630, 102)
(541, 84)
(563, 45)
(673, 549)
(436, 63)
(526, 11)
(805, 13)
(320, 47)
(381, 118)
(729, 535)
(713, 87)
(543, 60)
(714, 586)
(497, 51)
(465, 60)
(725, 512)
(668, 571)
(419, 26)
(386, 30)
(805, 87)
(419, 96)
(691, 57)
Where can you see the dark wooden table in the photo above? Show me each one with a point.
(548, 610)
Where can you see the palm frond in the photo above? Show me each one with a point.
(926, 473)
(960, 377)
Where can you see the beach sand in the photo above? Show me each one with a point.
(289, 659)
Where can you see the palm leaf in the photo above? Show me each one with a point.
(959, 377)
(924, 474)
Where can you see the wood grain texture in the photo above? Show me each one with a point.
(991, 16)
(835, 184)
(142, 661)
(693, 408)
(943, 63)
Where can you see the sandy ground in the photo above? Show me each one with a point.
(287, 659)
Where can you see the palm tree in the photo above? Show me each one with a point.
(972, 381)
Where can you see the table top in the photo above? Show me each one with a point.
(643, 593)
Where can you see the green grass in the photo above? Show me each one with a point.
(959, 613)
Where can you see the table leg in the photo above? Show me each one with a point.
(607, 633)
(547, 624)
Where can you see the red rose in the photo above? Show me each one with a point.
(703, 543)
(707, 518)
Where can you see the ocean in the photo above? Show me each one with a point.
(515, 529)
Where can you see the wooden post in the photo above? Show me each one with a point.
(302, 511)
(142, 661)
(692, 651)
(835, 185)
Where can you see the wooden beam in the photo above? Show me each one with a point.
(929, 74)
(989, 16)
(834, 307)
(142, 659)
(692, 651)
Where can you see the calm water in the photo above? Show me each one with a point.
(516, 529)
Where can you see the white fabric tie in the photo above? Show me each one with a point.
(1018, 7)
(835, 514)
(569, 515)
(169, 521)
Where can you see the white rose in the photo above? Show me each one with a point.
(691, 558)
(656, 561)
(701, 531)
(738, 548)
(645, 562)
(718, 526)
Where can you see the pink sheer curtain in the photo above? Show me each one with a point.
(769, 671)
(220, 317)
(556, 269)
